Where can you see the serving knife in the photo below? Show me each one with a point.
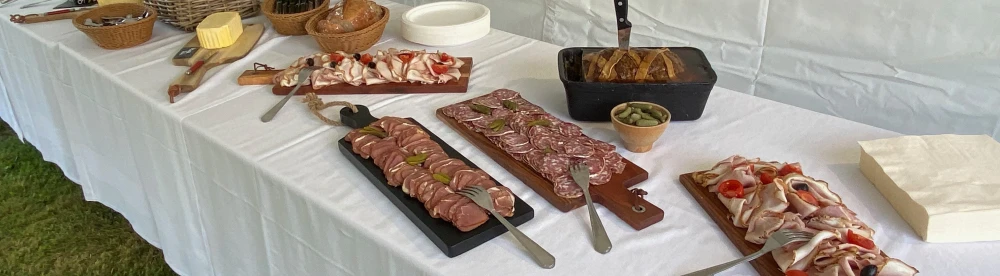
(32, 5)
(624, 26)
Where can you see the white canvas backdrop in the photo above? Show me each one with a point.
(911, 66)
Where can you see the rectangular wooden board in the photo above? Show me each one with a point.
(460, 86)
(614, 195)
(765, 265)
(443, 234)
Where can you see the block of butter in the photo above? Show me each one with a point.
(947, 187)
(219, 30)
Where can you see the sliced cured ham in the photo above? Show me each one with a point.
(777, 196)
(385, 67)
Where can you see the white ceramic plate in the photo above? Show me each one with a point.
(446, 23)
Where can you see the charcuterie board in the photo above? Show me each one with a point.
(765, 265)
(443, 234)
(614, 195)
(266, 77)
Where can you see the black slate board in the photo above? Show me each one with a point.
(449, 239)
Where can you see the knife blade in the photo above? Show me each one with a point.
(32, 5)
(624, 26)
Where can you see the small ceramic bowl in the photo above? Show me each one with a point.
(637, 138)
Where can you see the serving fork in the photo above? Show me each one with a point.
(482, 198)
(581, 175)
(303, 76)
(778, 239)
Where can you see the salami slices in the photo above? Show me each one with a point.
(538, 139)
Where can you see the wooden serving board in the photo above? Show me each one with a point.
(449, 239)
(614, 195)
(266, 77)
(765, 265)
(192, 52)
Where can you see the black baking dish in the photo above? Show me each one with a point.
(593, 101)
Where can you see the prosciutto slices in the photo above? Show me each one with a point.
(778, 196)
(390, 66)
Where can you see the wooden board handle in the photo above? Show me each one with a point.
(257, 77)
(619, 200)
(187, 83)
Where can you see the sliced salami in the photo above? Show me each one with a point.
(600, 178)
(579, 150)
(554, 164)
(451, 110)
(481, 123)
(504, 131)
(519, 149)
(514, 139)
(570, 130)
(534, 157)
(564, 186)
(467, 115)
(505, 94)
(501, 113)
(488, 101)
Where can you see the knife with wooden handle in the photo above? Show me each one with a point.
(49, 16)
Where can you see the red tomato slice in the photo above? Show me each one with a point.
(366, 58)
(766, 178)
(796, 273)
(439, 68)
(405, 57)
(790, 168)
(336, 57)
(731, 188)
(860, 240)
(807, 197)
(445, 57)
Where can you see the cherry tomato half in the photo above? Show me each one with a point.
(766, 178)
(807, 197)
(796, 273)
(439, 68)
(336, 57)
(860, 240)
(731, 188)
(790, 168)
(445, 57)
(366, 58)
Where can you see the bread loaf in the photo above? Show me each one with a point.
(633, 65)
(349, 16)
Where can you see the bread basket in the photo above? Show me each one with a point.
(120, 36)
(293, 23)
(186, 14)
(351, 42)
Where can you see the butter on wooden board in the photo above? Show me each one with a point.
(220, 30)
(947, 187)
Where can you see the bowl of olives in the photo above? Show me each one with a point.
(640, 124)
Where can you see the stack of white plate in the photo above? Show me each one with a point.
(446, 23)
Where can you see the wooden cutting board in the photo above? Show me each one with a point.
(192, 52)
(266, 77)
(449, 239)
(765, 265)
(614, 195)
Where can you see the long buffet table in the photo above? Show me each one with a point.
(224, 194)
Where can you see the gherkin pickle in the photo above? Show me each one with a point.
(440, 177)
(481, 109)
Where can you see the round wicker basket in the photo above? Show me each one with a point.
(290, 24)
(186, 14)
(120, 36)
(351, 42)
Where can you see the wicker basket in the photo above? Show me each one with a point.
(351, 42)
(120, 36)
(186, 14)
(290, 24)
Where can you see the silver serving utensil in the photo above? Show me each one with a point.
(482, 198)
(6, 2)
(624, 26)
(32, 5)
(303, 76)
(778, 239)
(581, 175)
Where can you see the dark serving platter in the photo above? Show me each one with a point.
(449, 239)
(593, 101)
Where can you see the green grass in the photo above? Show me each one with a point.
(47, 228)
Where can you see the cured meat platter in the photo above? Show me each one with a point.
(612, 193)
(769, 196)
(267, 77)
(452, 240)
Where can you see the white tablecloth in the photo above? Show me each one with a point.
(224, 194)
